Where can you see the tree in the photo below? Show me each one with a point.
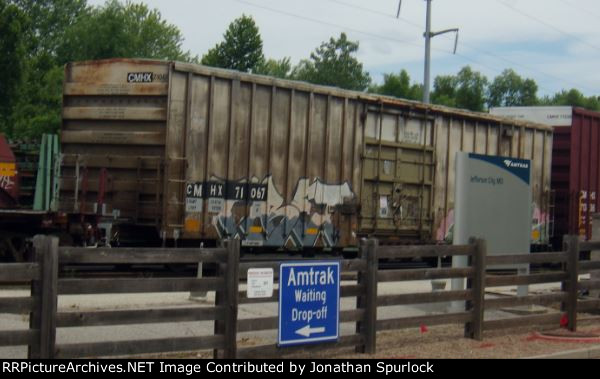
(509, 89)
(465, 90)
(398, 85)
(118, 30)
(241, 49)
(444, 90)
(333, 64)
(471, 86)
(573, 98)
(13, 26)
(68, 30)
(49, 21)
(278, 68)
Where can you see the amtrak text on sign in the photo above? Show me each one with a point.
(309, 302)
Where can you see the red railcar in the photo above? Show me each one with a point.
(575, 177)
(576, 173)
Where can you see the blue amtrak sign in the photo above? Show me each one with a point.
(309, 302)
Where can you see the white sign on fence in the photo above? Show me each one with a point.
(260, 283)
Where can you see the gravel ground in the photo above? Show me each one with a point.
(447, 342)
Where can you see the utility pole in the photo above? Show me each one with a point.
(428, 36)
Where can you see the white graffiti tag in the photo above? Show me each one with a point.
(6, 183)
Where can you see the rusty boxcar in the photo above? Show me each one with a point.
(198, 154)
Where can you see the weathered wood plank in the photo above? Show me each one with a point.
(232, 281)
(588, 285)
(49, 278)
(474, 328)
(140, 255)
(514, 280)
(515, 301)
(121, 348)
(588, 305)
(35, 317)
(586, 266)
(18, 337)
(142, 316)
(423, 298)
(274, 351)
(553, 318)
(415, 251)
(19, 272)
(410, 322)
(572, 243)
(96, 286)
(527, 258)
(345, 266)
(589, 245)
(368, 326)
(16, 305)
(424, 274)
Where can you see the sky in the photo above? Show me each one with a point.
(554, 42)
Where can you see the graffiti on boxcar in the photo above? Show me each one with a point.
(6, 183)
(256, 212)
(446, 228)
(539, 226)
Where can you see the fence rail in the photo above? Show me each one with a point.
(45, 318)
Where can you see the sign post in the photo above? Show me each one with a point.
(309, 302)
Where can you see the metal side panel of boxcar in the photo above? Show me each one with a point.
(274, 163)
(113, 140)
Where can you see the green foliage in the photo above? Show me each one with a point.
(573, 98)
(509, 89)
(470, 92)
(40, 113)
(13, 24)
(60, 31)
(334, 64)
(398, 85)
(241, 48)
(444, 90)
(278, 68)
(49, 21)
(119, 30)
(465, 90)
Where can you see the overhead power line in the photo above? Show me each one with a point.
(472, 47)
(317, 21)
(549, 25)
(578, 7)
(407, 42)
(342, 27)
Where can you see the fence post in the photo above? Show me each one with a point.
(232, 280)
(474, 329)
(44, 292)
(368, 301)
(572, 242)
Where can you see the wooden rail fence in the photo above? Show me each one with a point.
(46, 287)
